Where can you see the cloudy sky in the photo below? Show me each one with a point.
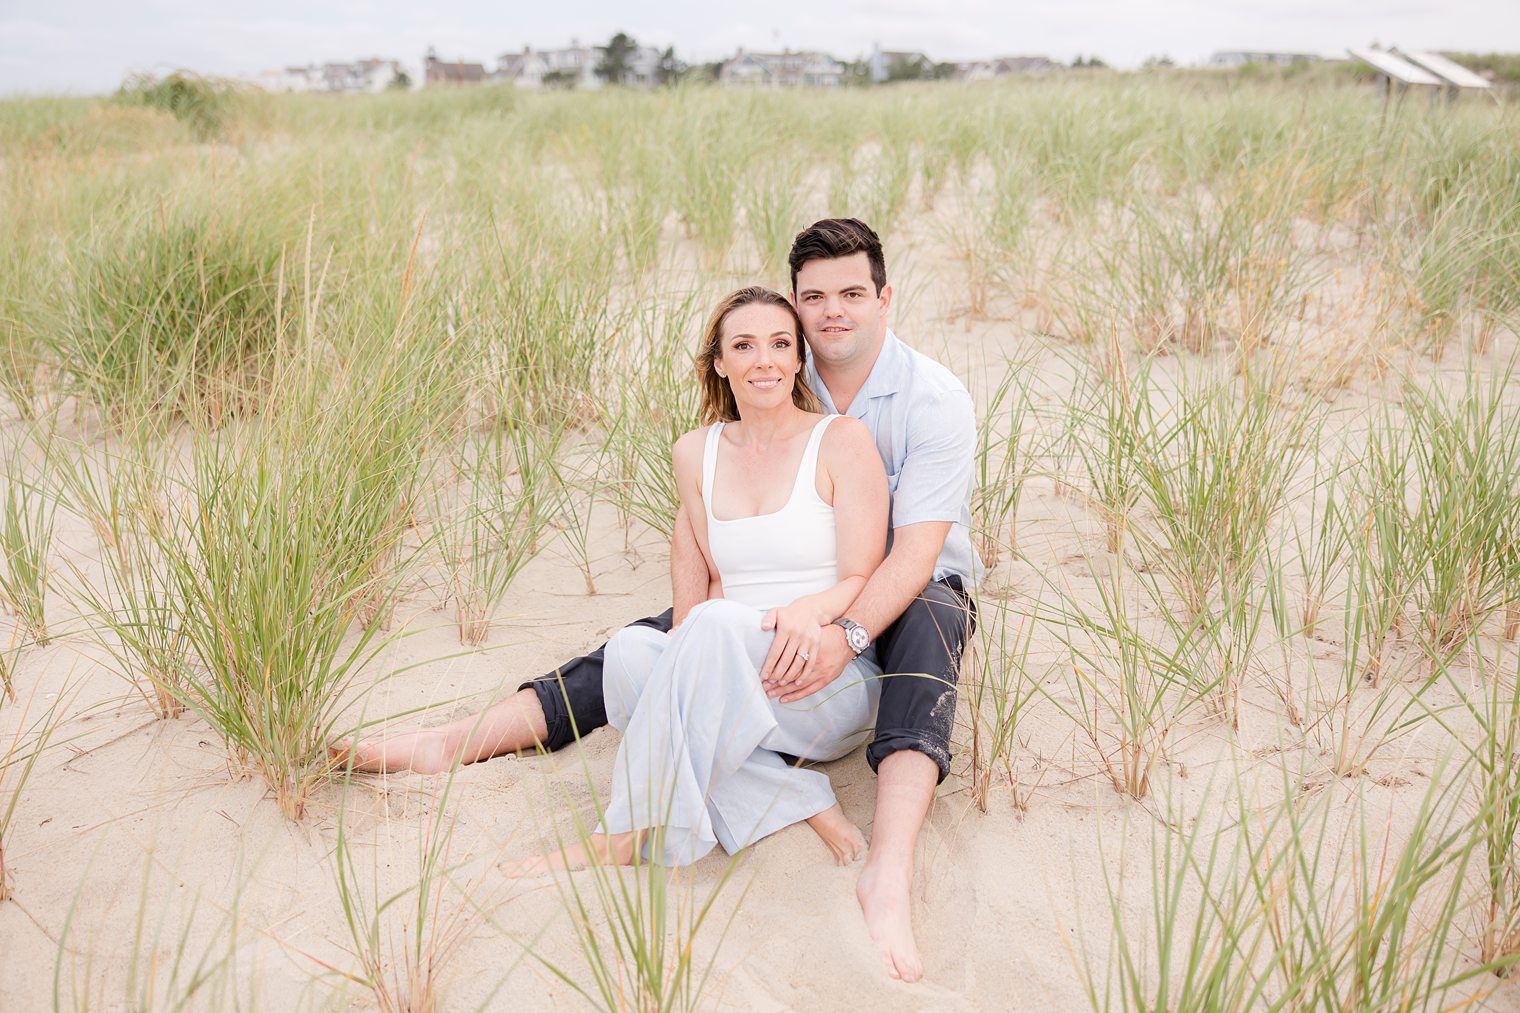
(85, 46)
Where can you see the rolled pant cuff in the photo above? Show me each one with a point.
(892, 740)
(551, 698)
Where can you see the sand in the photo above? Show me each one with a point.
(138, 855)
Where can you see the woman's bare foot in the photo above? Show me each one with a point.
(424, 752)
(600, 849)
(843, 837)
(883, 898)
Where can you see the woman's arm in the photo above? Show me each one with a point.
(852, 469)
(693, 578)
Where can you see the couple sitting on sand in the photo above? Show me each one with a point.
(792, 597)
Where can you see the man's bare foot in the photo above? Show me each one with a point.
(424, 752)
(883, 896)
(600, 849)
(843, 837)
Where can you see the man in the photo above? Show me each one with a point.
(915, 606)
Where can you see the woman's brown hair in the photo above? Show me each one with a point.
(718, 404)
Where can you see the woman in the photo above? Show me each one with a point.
(766, 483)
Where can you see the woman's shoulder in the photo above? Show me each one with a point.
(690, 445)
(845, 429)
(847, 438)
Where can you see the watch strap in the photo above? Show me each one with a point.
(850, 636)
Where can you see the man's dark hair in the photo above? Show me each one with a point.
(833, 238)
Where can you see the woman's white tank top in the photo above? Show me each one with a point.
(773, 559)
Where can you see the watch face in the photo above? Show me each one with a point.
(858, 638)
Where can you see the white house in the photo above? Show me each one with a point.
(574, 67)
(782, 70)
(1239, 58)
(882, 62)
(1005, 66)
(524, 70)
(367, 75)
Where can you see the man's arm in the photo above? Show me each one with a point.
(693, 578)
(689, 579)
(899, 579)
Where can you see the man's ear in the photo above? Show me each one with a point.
(886, 299)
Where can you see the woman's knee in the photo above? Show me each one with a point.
(630, 656)
(723, 616)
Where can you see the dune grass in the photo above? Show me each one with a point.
(27, 518)
(402, 940)
(31, 732)
(294, 336)
(496, 528)
(172, 307)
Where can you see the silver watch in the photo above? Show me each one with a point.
(855, 635)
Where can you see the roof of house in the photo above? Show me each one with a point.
(439, 70)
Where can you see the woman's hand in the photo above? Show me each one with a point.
(798, 632)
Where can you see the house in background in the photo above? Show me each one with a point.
(1241, 57)
(643, 68)
(524, 70)
(368, 75)
(437, 73)
(572, 67)
(371, 75)
(286, 79)
(888, 64)
(1005, 66)
(781, 70)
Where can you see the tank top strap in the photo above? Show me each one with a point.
(710, 465)
(807, 470)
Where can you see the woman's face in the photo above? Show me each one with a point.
(759, 356)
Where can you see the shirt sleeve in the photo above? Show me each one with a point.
(935, 481)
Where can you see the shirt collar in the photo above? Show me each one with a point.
(885, 378)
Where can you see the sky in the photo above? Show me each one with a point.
(88, 46)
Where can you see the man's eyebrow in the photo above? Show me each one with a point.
(860, 287)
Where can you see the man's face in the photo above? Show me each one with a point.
(843, 317)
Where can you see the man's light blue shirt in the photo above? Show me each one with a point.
(925, 429)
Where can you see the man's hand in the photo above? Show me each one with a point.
(828, 662)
